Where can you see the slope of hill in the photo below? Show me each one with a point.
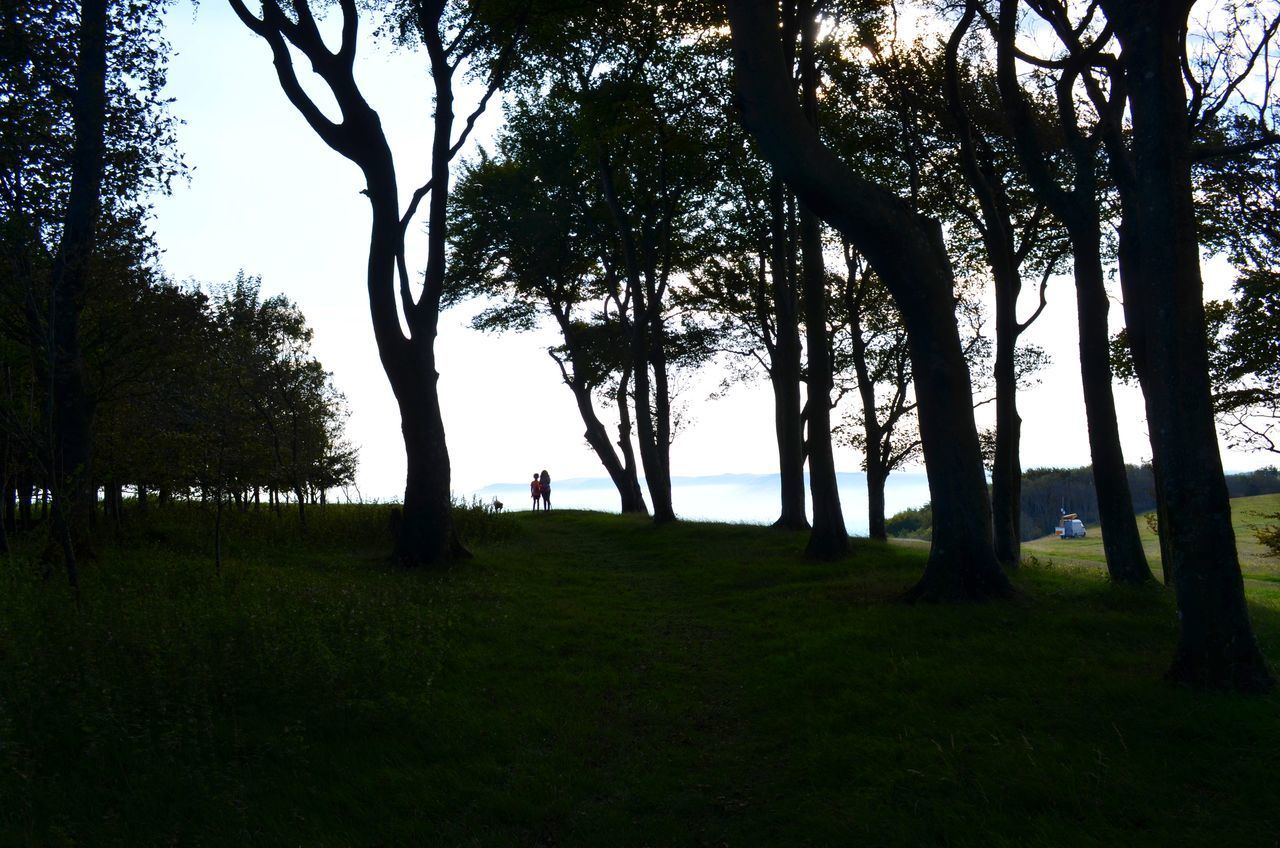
(590, 680)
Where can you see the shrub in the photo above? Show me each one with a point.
(1269, 536)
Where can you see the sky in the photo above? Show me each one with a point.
(266, 196)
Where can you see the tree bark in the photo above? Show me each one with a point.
(629, 468)
(1164, 312)
(829, 539)
(1121, 542)
(907, 251)
(784, 373)
(72, 408)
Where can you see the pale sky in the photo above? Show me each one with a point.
(267, 196)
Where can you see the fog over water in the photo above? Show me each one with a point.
(747, 498)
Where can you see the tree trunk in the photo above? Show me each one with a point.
(998, 242)
(1079, 211)
(876, 477)
(427, 536)
(662, 408)
(829, 538)
(598, 438)
(962, 563)
(1006, 470)
(785, 367)
(629, 469)
(907, 251)
(1121, 542)
(1164, 311)
(659, 493)
(72, 407)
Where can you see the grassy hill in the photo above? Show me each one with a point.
(1246, 514)
(593, 680)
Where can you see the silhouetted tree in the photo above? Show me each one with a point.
(452, 34)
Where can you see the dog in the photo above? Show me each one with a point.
(497, 505)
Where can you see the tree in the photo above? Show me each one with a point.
(529, 235)
(747, 287)
(1079, 208)
(452, 35)
(1164, 314)
(907, 252)
(1014, 233)
(885, 430)
(86, 137)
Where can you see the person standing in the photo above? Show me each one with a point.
(535, 490)
(544, 486)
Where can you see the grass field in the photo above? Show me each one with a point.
(593, 680)
(1247, 514)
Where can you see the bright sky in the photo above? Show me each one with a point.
(267, 196)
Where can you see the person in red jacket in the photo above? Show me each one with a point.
(535, 490)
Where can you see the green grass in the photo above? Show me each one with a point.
(1247, 514)
(594, 680)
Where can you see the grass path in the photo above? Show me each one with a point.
(594, 680)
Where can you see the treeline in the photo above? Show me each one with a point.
(113, 379)
(198, 395)
(1048, 491)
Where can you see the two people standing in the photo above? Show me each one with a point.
(540, 489)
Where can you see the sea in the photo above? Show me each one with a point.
(740, 498)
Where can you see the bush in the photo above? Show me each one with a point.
(1270, 536)
(911, 523)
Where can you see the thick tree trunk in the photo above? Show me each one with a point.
(426, 536)
(72, 407)
(598, 438)
(1164, 311)
(876, 477)
(1126, 560)
(908, 253)
(962, 563)
(785, 367)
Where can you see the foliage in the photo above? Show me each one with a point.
(1270, 536)
(914, 523)
(1244, 361)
